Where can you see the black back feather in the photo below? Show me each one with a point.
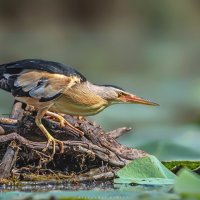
(14, 68)
(37, 64)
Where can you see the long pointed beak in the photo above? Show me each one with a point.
(130, 98)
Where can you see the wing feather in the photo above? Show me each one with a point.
(43, 65)
(39, 79)
(43, 86)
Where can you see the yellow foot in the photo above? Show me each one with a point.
(64, 122)
(53, 141)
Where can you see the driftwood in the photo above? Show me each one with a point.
(95, 156)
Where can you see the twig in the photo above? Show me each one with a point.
(119, 132)
(8, 160)
(17, 110)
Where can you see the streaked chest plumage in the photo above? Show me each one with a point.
(79, 101)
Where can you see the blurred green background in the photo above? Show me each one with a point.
(150, 48)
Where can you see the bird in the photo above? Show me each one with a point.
(53, 88)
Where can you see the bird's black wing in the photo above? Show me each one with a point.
(43, 65)
(43, 80)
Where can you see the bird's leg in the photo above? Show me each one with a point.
(64, 122)
(50, 138)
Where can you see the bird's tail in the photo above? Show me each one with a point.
(3, 81)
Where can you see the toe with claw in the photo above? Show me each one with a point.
(64, 122)
(54, 141)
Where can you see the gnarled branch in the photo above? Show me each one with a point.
(82, 155)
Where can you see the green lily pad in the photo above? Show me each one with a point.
(187, 183)
(148, 170)
(181, 164)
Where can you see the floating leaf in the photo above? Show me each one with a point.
(148, 170)
(175, 166)
(187, 183)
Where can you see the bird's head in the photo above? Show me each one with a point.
(116, 95)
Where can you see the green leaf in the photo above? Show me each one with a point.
(187, 183)
(148, 170)
(174, 164)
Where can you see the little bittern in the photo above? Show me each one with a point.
(54, 88)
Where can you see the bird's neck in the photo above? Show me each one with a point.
(86, 93)
(97, 90)
(81, 99)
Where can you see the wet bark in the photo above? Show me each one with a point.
(8, 160)
(95, 156)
